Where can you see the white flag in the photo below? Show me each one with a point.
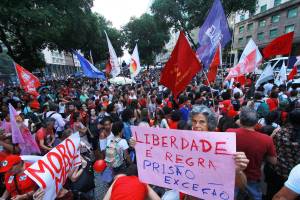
(135, 65)
(266, 75)
(250, 59)
(281, 76)
(113, 59)
(250, 47)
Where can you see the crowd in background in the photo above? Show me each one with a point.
(266, 121)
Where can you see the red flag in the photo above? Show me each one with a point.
(181, 67)
(292, 73)
(216, 62)
(240, 79)
(28, 81)
(279, 46)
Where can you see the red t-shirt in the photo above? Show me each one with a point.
(143, 102)
(24, 183)
(272, 103)
(256, 147)
(172, 124)
(43, 134)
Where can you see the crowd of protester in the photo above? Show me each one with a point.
(266, 121)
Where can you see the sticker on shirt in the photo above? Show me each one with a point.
(23, 178)
(10, 179)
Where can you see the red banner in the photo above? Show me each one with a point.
(279, 46)
(181, 67)
(28, 81)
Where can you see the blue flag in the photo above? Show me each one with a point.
(293, 60)
(214, 31)
(88, 69)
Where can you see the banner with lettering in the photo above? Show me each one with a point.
(51, 172)
(200, 164)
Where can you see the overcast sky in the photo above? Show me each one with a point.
(120, 11)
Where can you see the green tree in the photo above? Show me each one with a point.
(188, 14)
(98, 44)
(150, 35)
(28, 26)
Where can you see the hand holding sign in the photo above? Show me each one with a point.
(197, 163)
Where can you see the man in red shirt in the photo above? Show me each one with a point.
(45, 136)
(18, 185)
(257, 147)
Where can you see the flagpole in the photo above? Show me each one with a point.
(91, 57)
(17, 73)
(212, 95)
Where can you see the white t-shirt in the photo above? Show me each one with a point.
(122, 143)
(267, 88)
(293, 182)
(59, 120)
(164, 124)
(236, 90)
(104, 142)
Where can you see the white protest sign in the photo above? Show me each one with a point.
(196, 163)
(51, 172)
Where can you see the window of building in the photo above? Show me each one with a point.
(292, 13)
(262, 23)
(275, 18)
(248, 38)
(242, 17)
(273, 33)
(250, 27)
(263, 8)
(241, 29)
(289, 28)
(240, 41)
(277, 2)
(260, 36)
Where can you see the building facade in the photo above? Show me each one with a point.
(59, 64)
(271, 19)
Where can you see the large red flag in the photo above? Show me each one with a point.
(281, 45)
(292, 73)
(216, 62)
(181, 67)
(28, 81)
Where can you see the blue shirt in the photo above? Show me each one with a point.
(127, 131)
(184, 113)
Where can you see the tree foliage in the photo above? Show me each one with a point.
(188, 14)
(150, 35)
(28, 26)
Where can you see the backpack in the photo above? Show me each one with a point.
(114, 154)
(263, 110)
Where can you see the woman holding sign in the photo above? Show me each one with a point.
(203, 119)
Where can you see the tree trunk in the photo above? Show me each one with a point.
(6, 43)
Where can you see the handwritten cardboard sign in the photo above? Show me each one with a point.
(200, 164)
(51, 172)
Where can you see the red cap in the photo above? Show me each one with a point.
(35, 104)
(8, 162)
